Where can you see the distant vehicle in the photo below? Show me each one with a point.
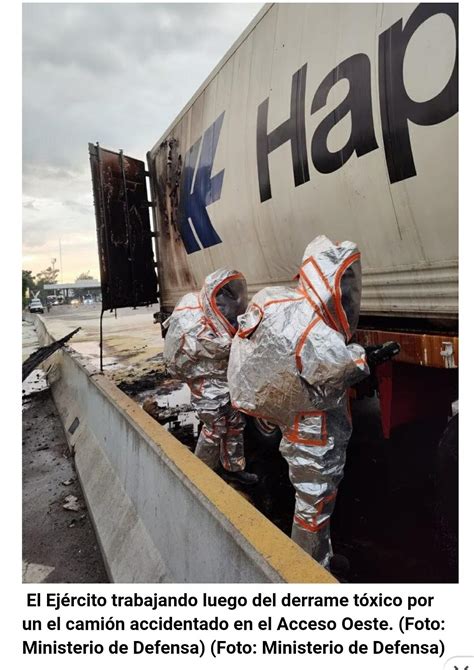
(88, 300)
(36, 306)
(75, 301)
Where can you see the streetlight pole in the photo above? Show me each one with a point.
(53, 263)
(60, 261)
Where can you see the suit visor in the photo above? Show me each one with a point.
(231, 300)
(351, 289)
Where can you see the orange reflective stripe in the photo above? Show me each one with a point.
(211, 326)
(324, 501)
(224, 453)
(320, 273)
(246, 331)
(273, 302)
(180, 309)
(296, 438)
(311, 302)
(301, 341)
(312, 527)
(294, 434)
(207, 321)
(181, 344)
(323, 304)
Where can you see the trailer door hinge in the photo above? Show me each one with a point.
(447, 352)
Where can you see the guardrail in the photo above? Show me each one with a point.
(160, 514)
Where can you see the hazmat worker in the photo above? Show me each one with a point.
(197, 347)
(291, 364)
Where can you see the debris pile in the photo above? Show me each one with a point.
(71, 504)
(43, 353)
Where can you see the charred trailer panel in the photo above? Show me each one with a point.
(124, 236)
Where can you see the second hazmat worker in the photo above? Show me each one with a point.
(291, 363)
(197, 347)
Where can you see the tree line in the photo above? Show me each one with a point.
(33, 284)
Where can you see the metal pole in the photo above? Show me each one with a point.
(155, 211)
(60, 261)
(102, 224)
(53, 263)
(101, 342)
(129, 227)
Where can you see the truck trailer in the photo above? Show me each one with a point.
(335, 119)
(338, 119)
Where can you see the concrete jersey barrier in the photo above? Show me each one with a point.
(160, 514)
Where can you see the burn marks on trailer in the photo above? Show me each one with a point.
(169, 168)
(185, 190)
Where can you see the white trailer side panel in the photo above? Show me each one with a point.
(406, 229)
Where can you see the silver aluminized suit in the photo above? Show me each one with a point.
(197, 347)
(290, 364)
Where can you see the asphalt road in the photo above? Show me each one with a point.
(129, 337)
(59, 545)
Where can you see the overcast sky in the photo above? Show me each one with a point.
(113, 73)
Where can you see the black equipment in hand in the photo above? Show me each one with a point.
(381, 353)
